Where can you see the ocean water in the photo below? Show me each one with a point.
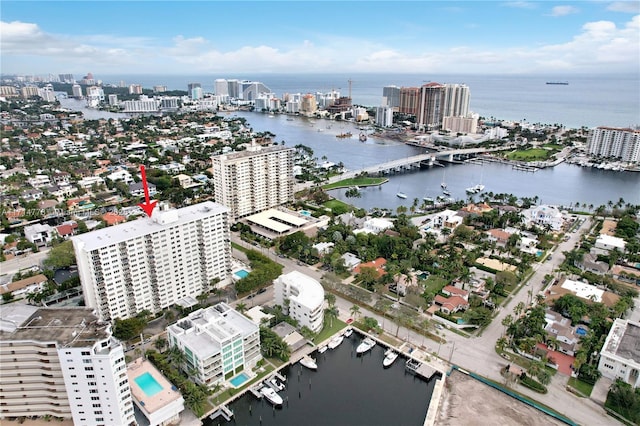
(590, 101)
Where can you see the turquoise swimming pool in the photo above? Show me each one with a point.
(239, 380)
(241, 273)
(148, 384)
(305, 212)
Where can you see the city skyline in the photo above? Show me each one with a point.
(270, 37)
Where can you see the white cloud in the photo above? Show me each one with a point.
(625, 6)
(600, 46)
(563, 10)
(521, 4)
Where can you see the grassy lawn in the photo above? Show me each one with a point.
(328, 331)
(331, 204)
(434, 284)
(581, 386)
(533, 154)
(361, 181)
(228, 393)
(239, 247)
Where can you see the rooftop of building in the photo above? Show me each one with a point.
(68, 327)
(160, 220)
(624, 340)
(150, 404)
(277, 221)
(256, 150)
(310, 291)
(205, 330)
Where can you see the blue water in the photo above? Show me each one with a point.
(539, 253)
(241, 273)
(581, 331)
(239, 380)
(588, 100)
(305, 213)
(148, 384)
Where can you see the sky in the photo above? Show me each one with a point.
(197, 37)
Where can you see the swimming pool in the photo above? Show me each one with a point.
(305, 212)
(539, 253)
(148, 384)
(241, 273)
(239, 380)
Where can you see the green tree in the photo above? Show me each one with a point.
(355, 311)
(330, 314)
(61, 256)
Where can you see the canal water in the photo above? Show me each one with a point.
(564, 184)
(347, 389)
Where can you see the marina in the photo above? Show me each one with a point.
(319, 397)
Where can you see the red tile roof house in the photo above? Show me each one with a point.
(67, 230)
(498, 235)
(377, 264)
(450, 305)
(450, 290)
(113, 219)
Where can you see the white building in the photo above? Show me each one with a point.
(544, 215)
(615, 143)
(152, 263)
(376, 225)
(605, 243)
(254, 180)
(38, 234)
(62, 362)
(218, 343)
(305, 298)
(620, 355)
(384, 116)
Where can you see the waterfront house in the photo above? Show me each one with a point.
(545, 216)
(302, 298)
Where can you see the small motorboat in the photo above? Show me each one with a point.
(365, 345)
(271, 395)
(389, 357)
(335, 342)
(276, 384)
(322, 349)
(309, 362)
(348, 332)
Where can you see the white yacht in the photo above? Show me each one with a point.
(322, 349)
(335, 342)
(309, 362)
(348, 332)
(271, 395)
(401, 195)
(389, 356)
(365, 345)
(276, 384)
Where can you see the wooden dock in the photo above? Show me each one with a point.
(223, 411)
(419, 369)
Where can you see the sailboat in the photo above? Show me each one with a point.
(443, 185)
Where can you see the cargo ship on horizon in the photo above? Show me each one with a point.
(562, 83)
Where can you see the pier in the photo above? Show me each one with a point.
(418, 368)
(223, 411)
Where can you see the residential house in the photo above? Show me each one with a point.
(590, 263)
(377, 265)
(113, 218)
(67, 229)
(545, 216)
(32, 194)
(350, 260)
(376, 225)
(25, 286)
(620, 354)
(626, 274)
(185, 181)
(606, 243)
(498, 236)
(567, 337)
(450, 305)
(323, 248)
(402, 283)
(39, 234)
(136, 189)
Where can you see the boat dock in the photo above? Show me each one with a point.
(223, 411)
(254, 390)
(419, 369)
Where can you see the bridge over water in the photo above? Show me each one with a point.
(415, 161)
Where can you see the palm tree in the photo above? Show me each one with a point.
(355, 310)
(331, 299)
(241, 307)
(330, 313)
(506, 322)
(160, 343)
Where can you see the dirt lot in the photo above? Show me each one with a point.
(468, 401)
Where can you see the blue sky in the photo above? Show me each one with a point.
(181, 37)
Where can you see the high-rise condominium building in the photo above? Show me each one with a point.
(254, 180)
(194, 91)
(221, 87)
(431, 109)
(62, 362)
(456, 100)
(391, 96)
(76, 90)
(615, 143)
(218, 342)
(409, 100)
(152, 263)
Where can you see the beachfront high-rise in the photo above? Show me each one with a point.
(615, 143)
(218, 342)
(153, 263)
(62, 362)
(254, 180)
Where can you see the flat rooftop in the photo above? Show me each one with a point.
(624, 340)
(151, 404)
(147, 225)
(276, 221)
(253, 152)
(70, 327)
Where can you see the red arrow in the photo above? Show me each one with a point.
(147, 206)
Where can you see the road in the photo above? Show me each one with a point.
(23, 262)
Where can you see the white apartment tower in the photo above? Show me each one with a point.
(152, 263)
(62, 362)
(221, 87)
(302, 298)
(254, 180)
(456, 100)
(611, 142)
